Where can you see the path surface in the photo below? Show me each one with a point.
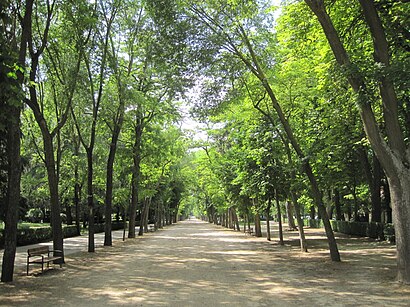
(194, 263)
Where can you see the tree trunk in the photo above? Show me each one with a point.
(136, 174)
(90, 201)
(134, 202)
(258, 229)
(69, 214)
(279, 220)
(268, 220)
(289, 213)
(339, 215)
(312, 212)
(302, 238)
(373, 178)
(13, 195)
(400, 199)
(77, 204)
(14, 159)
(56, 225)
(108, 192)
(238, 228)
(143, 219)
(375, 191)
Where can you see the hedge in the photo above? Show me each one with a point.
(362, 229)
(27, 236)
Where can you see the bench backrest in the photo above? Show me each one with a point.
(38, 251)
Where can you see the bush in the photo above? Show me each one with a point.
(362, 229)
(315, 223)
(27, 235)
(70, 231)
(33, 235)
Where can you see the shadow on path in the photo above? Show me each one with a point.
(199, 264)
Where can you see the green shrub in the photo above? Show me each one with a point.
(69, 231)
(362, 229)
(315, 223)
(33, 235)
(375, 230)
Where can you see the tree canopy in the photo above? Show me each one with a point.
(302, 104)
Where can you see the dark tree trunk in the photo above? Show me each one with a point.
(258, 229)
(289, 214)
(373, 178)
(235, 215)
(13, 195)
(90, 201)
(312, 212)
(339, 215)
(108, 193)
(56, 224)
(77, 203)
(14, 160)
(279, 220)
(47, 136)
(375, 191)
(136, 175)
(69, 214)
(268, 220)
(302, 238)
(118, 121)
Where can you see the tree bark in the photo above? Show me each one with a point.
(136, 174)
(302, 238)
(336, 197)
(238, 228)
(258, 229)
(279, 219)
(375, 192)
(90, 201)
(268, 220)
(13, 195)
(109, 177)
(289, 214)
(14, 160)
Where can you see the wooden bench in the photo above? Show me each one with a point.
(41, 255)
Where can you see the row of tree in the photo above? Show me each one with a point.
(90, 105)
(308, 108)
(320, 101)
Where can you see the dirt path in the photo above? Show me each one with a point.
(198, 264)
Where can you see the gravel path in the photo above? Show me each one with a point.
(194, 263)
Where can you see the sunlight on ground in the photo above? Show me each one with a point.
(198, 264)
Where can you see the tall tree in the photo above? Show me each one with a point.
(95, 84)
(233, 29)
(11, 101)
(390, 147)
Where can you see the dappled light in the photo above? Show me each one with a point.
(196, 263)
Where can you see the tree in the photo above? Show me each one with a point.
(389, 145)
(95, 84)
(232, 30)
(12, 66)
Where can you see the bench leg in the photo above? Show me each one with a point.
(27, 268)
